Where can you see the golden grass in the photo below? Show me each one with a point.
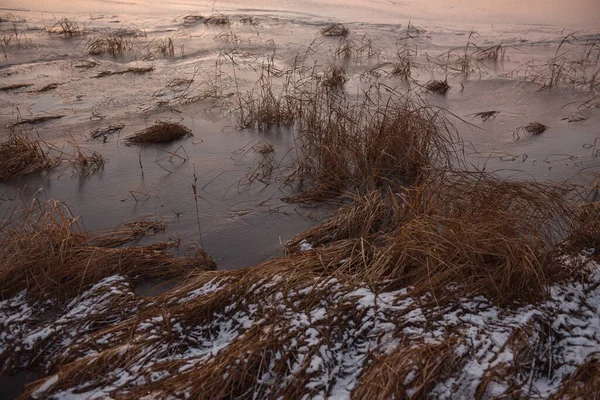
(160, 132)
(21, 155)
(46, 251)
(486, 235)
(335, 30)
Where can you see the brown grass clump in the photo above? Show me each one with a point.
(65, 27)
(440, 87)
(131, 70)
(15, 86)
(158, 47)
(114, 44)
(217, 19)
(484, 234)
(409, 371)
(20, 155)
(335, 30)
(335, 77)
(36, 120)
(583, 384)
(104, 132)
(46, 251)
(160, 132)
(192, 19)
(534, 128)
(85, 163)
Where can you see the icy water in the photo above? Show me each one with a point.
(243, 222)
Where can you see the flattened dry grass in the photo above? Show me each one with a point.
(46, 251)
(483, 234)
(20, 155)
(335, 30)
(160, 132)
(534, 128)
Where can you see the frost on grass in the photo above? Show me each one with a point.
(253, 334)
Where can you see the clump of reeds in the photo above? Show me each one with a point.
(160, 132)
(85, 163)
(217, 19)
(104, 132)
(584, 383)
(21, 155)
(335, 77)
(335, 30)
(114, 44)
(36, 120)
(65, 27)
(158, 47)
(481, 233)
(15, 86)
(130, 70)
(533, 128)
(46, 251)
(437, 86)
(192, 19)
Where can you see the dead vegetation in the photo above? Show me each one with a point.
(36, 120)
(533, 128)
(15, 86)
(21, 155)
(335, 30)
(65, 27)
(46, 251)
(113, 44)
(192, 19)
(85, 163)
(575, 64)
(160, 132)
(436, 86)
(104, 132)
(130, 70)
(217, 19)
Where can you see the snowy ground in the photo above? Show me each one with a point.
(321, 339)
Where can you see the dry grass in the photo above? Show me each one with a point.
(157, 48)
(46, 251)
(192, 19)
(335, 77)
(15, 86)
(160, 132)
(84, 163)
(20, 155)
(483, 234)
(533, 128)
(104, 132)
(583, 384)
(335, 30)
(439, 87)
(217, 19)
(36, 120)
(113, 44)
(65, 27)
(130, 70)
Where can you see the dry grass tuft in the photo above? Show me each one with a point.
(46, 251)
(20, 155)
(335, 30)
(473, 230)
(160, 132)
(114, 44)
(335, 77)
(583, 384)
(217, 19)
(534, 128)
(36, 120)
(440, 87)
(104, 132)
(159, 47)
(131, 70)
(85, 163)
(48, 87)
(65, 27)
(192, 19)
(15, 86)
